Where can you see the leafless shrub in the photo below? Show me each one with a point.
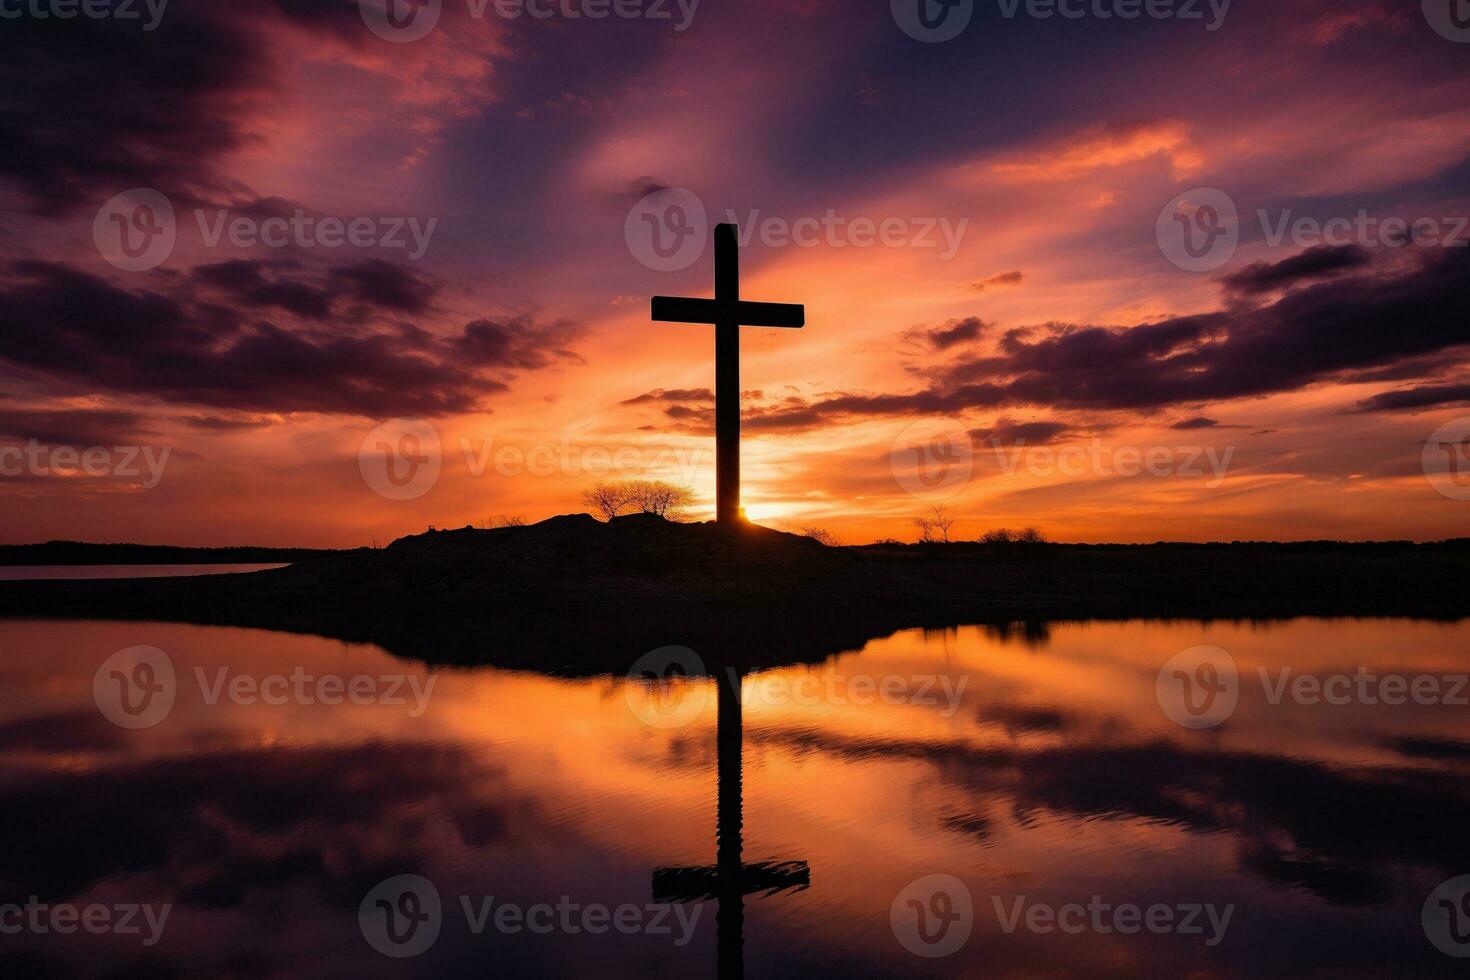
(820, 535)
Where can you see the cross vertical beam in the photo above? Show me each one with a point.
(728, 312)
(727, 377)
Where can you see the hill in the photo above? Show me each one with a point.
(577, 595)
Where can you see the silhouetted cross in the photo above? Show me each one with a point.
(729, 880)
(727, 311)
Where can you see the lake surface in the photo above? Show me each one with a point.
(31, 573)
(978, 801)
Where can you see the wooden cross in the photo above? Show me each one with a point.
(727, 311)
(729, 880)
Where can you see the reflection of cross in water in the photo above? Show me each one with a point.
(728, 881)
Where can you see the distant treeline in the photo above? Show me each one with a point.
(82, 553)
(1295, 547)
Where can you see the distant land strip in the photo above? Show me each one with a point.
(83, 553)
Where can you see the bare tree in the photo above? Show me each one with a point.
(926, 529)
(504, 520)
(607, 499)
(656, 497)
(944, 520)
(666, 500)
(1031, 536)
(998, 536)
(820, 535)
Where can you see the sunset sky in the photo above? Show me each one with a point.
(1286, 393)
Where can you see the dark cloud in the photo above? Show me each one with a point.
(673, 395)
(1318, 262)
(957, 332)
(1442, 749)
(70, 426)
(1010, 431)
(1004, 279)
(516, 342)
(383, 284)
(1425, 396)
(1335, 330)
(247, 282)
(93, 106)
(289, 285)
(641, 187)
(1198, 422)
(288, 813)
(180, 346)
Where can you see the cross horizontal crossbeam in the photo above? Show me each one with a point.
(679, 309)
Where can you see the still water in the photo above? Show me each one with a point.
(252, 822)
(33, 573)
